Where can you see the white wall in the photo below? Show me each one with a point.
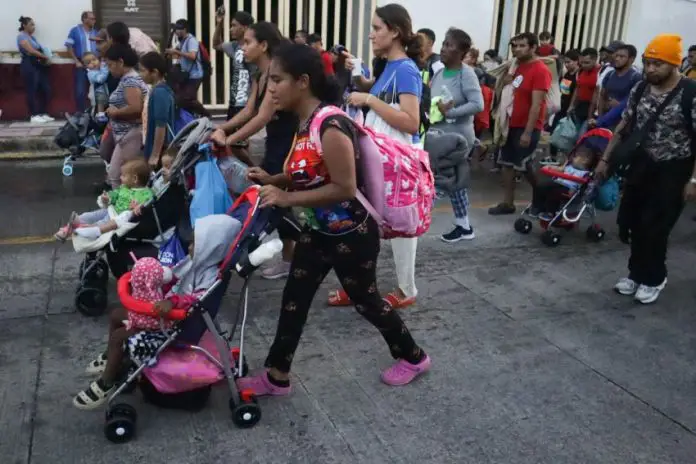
(53, 18)
(649, 18)
(473, 16)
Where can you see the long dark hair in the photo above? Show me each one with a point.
(298, 60)
(23, 21)
(269, 33)
(397, 19)
(118, 51)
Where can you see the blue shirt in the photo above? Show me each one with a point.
(160, 113)
(194, 68)
(618, 87)
(399, 77)
(78, 40)
(21, 37)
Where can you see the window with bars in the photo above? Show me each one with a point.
(572, 23)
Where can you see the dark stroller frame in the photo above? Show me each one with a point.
(121, 417)
(91, 293)
(78, 151)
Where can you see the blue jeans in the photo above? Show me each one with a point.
(35, 78)
(81, 88)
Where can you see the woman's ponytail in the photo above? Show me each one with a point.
(414, 47)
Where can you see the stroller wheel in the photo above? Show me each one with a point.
(595, 233)
(67, 170)
(523, 226)
(120, 423)
(550, 238)
(245, 414)
(91, 301)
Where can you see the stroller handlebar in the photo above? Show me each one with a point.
(546, 170)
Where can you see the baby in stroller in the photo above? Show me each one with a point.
(548, 195)
(126, 201)
(570, 192)
(168, 289)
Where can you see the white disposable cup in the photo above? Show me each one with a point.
(357, 67)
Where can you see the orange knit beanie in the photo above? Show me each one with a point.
(665, 47)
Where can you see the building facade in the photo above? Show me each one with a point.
(573, 23)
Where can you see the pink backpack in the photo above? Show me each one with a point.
(398, 183)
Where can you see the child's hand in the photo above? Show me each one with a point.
(105, 198)
(163, 307)
(136, 207)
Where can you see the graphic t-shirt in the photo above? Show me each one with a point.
(587, 83)
(306, 169)
(529, 77)
(241, 74)
(567, 88)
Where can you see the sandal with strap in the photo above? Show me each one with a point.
(93, 397)
(98, 365)
(339, 298)
(396, 301)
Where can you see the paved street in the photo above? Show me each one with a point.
(536, 360)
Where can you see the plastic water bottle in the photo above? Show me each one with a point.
(265, 252)
(447, 97)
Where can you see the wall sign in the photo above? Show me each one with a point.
(131, 6)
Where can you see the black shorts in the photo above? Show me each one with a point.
(512, 154)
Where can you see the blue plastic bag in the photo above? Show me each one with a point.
(211, 195)
(565, 135)
(171, 252)
(607, 195)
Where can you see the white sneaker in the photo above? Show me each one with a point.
(647, 295)
(37, 120)
(626, 286)
(47, 118)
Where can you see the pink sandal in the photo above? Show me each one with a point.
(403, 372)
(259, 385)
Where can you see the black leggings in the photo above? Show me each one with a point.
(354, 258)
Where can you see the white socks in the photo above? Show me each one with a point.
(463, 222)
(88, 232)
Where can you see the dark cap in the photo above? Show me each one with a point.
(181, 24)
(338, 49)
(613, 46)
(100, 36)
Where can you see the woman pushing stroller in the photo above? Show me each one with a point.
(341, 235)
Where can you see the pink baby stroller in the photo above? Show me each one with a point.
(177, 367)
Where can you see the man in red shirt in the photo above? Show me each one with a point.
(314, 41)
(585, 85)
(531, 83)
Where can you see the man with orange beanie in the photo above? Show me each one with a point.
(661, 175)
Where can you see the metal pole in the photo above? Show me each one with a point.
(506, 28)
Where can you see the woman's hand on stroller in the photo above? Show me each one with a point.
(273, 196)
(163, 307)
(218, 137)
(258, 175)
(600, 173)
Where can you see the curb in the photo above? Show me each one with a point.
(32, 155)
